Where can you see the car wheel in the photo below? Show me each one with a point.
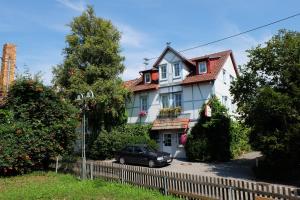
(122, 161)
(151, 163)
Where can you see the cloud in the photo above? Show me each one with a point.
(78, 6)
(131, 37)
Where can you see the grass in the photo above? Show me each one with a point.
(40, 185)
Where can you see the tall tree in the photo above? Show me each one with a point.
(268, 97)
(93, 62)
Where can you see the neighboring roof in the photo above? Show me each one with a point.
(137, 85)
(168, 48)
(216, 62)
(170, 123)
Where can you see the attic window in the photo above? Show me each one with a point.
(202, 67)
(147, 78)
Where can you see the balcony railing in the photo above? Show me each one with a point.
(172, 113)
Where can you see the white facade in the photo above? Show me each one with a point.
(193, 96)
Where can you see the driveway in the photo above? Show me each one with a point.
(239, 168)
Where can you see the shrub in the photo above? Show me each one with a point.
(108, 143)
(214, 132)
(41, 125)
(239, 139)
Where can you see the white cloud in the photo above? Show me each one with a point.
(78, 6)
(130, 36)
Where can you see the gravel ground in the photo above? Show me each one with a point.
(237, 168)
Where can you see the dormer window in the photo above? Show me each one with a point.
(202, 67)
(147, 78)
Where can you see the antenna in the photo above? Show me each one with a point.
(168, 43)
(146, 62)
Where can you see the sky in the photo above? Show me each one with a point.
(38, 28)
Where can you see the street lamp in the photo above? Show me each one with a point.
(84, 98)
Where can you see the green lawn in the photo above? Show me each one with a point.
(59, 186)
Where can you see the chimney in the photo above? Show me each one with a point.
(7, 68)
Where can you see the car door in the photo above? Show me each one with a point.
(128, 154)
(140, 157)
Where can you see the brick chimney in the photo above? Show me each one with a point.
(7, 68)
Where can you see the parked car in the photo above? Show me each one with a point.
(143, 155)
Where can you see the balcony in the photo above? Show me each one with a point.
(172, 113)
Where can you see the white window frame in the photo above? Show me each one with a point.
(224, 76)
(160, 72)
(174, 99)
(144, 97)
(174, 70)
(145, 78)
(199, 68)
(168, 100)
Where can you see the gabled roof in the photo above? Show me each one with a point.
(168, 48)
(216, 62)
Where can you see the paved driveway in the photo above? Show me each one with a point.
(238, 168)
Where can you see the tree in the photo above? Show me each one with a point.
(93, 62)
(268, 97)
(39, 125)
(210, 137)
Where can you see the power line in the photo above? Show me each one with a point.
(235, 35)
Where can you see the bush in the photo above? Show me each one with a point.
(38, 125)
(211, 135)
(239, 139)
(108, 143)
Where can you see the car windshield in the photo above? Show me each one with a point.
(150, 149)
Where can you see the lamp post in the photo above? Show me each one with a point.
(84, 108)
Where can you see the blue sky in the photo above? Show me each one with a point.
(38, 28)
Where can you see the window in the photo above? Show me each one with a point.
(147, 78)
(177, 99)
(224, 76)
(163, 72)
(168, 140)
(144, 103)
(231, 78)
(202, 67)
(224, 100)
(165, 101)
(129, 149)
(176, 68)
(138, 150)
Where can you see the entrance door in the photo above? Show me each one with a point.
(167, 143)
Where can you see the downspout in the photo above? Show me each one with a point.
(193, 102)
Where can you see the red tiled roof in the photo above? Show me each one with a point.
(216, 62)
(170, 123)
(137, 85)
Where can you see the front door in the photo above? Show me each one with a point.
(167, 143)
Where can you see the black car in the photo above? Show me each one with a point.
(143, 155)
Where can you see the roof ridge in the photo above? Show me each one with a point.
(211, 54)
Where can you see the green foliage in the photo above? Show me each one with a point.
(239, 135)
(211, 134)
(62, 186)
(108, 143)
(40, 125)
(268, 95)
(217, 138)
(93, 62)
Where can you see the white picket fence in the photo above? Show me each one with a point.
(187, 186)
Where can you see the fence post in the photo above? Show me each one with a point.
(56, 164)
(92, 168)
(165, 186)
(122, 174)
(230, 193)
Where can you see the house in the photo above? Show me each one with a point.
(170, 94)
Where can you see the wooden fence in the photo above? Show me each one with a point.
(187, 186)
